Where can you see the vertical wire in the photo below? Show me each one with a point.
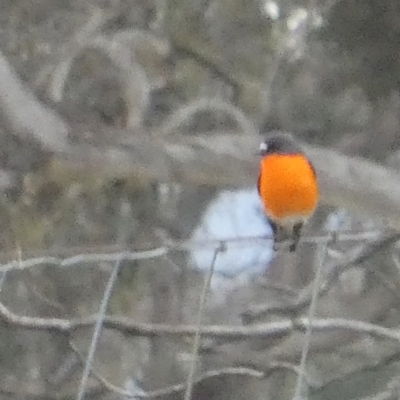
(124, 210)
(196, 341)
(311, 314)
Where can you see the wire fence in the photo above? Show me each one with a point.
(364, 245)
(116, 252)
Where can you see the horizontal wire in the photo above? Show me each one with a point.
(83, 258)
(168, 246)
(341, 237)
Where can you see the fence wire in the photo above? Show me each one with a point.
(121, 253)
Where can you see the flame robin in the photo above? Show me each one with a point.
(288, 187)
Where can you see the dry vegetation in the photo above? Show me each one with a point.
(120, 121)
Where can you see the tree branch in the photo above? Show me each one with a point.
(220, 160)
(25, 115)
(354, 257)
(229, 160)
(260, 331)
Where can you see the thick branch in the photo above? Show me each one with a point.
(260, 331)
(219, 160)
(25, 115)
(229, 160)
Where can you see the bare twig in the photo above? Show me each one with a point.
(373, 367)
(97, 330)
(354, 257)
(118, 252)
(57, 71)
(3, 275)
(97, 390)
(118, 47)
(236, 371)
(124, 213)
(185, 113)
(224, 75)
(270, 80)
(223, 332)
(196, 341)
(108, 385)
(311, 314)
(359, 255)
(83, 259)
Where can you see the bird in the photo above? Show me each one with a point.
(288, 187)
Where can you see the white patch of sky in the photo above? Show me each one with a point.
(338, 221)
(234, 214)
(271, 10)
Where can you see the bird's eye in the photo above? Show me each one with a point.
(263, 146)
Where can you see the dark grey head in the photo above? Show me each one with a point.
(281, 143)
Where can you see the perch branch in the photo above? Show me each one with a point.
(229, 333)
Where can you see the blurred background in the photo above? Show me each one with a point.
(120, 72)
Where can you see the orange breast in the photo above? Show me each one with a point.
(288, 186)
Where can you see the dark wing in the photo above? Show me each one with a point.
(312, 168)
(259, 184)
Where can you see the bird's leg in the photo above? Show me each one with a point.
(296, 236)
(278, 233)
